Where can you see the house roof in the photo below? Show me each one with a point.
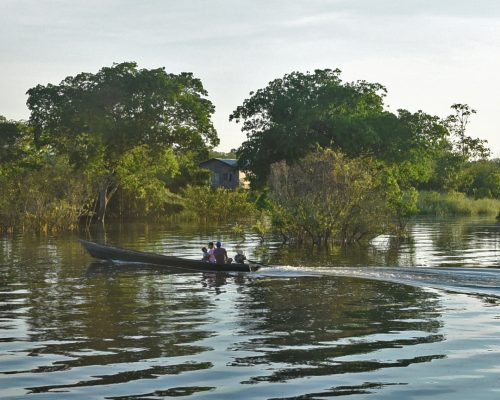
(229, 161)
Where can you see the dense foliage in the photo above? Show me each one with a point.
(100, 119)
(39, 190)
(217, 205)
(137, 132)
(326, 196)
(294, 115)
(326, 159)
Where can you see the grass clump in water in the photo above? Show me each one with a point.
(455, 203)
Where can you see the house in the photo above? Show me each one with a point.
(225, 173)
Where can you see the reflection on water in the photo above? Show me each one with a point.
(209, 330)
(70, 328)
(451, 242)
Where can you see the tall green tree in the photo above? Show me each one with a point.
(295, 115)
(97, 119)
(303, 111)
(466, 146)
(451, 160)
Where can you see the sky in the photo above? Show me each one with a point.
(429, 54)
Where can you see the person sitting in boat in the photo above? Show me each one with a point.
(205, 257)
(239, 257)
(221, 254)
(211, 251)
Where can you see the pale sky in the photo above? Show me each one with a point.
(428, 53)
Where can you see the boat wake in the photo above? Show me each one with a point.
(465, 280)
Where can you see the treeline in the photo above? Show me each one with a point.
(335, 165)
(326, 160)
(121, 142)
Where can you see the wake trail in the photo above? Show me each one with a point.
(484, 281)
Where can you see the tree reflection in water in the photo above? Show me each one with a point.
(326, 326)
(123, 332)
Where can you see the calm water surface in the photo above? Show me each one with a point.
(418, 319)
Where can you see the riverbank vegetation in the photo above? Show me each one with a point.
(304, 115)
(326, 160)
(455, 203)
(219, 205)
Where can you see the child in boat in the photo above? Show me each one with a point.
(205, 254)
(239, 257)
(211, 250)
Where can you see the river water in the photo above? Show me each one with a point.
(414, 319)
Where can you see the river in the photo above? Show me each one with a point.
(412, 319)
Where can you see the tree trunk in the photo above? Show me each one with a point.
(103, 198)
(102, 203)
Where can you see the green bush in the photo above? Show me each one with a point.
(327, 197)
(48, 199)
(219, 205)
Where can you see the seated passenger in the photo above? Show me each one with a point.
(211, 250)
(239, 257)
(221, 254)
(205, 257)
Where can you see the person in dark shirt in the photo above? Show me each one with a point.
(220, 254)
(239, 257)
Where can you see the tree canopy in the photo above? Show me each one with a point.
(293, 115)
(121, 107)
(301, 112)
(96, 119)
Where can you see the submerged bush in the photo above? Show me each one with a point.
(329, 197)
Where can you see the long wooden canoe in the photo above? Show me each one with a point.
(117, 254)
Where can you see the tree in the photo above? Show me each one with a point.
(97, 118)
(452, 160)
(482, 179)
(10, 133)
(294, 115)
(468, 147)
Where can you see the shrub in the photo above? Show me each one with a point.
(328, 197)
(219, 205)
(50, 198)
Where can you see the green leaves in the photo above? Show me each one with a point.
(294, 115)
(125, 126)
(124, 106)
(328, 196)
(220, 205)
(144, 173)
(300, 112)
